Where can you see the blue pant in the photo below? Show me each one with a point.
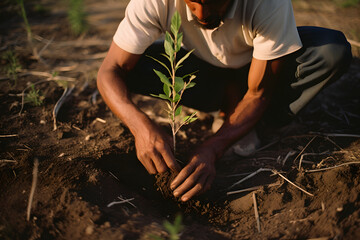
(325, 56)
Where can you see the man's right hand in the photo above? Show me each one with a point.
(153, 149)
(153, 146)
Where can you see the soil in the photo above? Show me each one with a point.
(89, 161)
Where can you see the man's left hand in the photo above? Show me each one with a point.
(197, 176)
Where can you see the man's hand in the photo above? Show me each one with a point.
(153, 149)
(196, 177)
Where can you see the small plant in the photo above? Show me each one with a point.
(347, 3)
(77, 16)
(34, 97)
(26, 22)
(173, 229)
(174, 86)
(12, 65)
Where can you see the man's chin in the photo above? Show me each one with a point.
(208, 25)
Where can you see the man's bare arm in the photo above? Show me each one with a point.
(153, 146)
(198, 175)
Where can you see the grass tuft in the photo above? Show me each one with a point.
(77, 17)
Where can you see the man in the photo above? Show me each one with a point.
(253, 63)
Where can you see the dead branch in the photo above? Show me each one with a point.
(256, 212)
(67, 92)
(328, 168)
(33, 186)
(276, 172)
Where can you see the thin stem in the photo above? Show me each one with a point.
(173, 104)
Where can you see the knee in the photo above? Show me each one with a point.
(337, 53)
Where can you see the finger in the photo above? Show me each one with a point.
(149, 166)
(189, 183)
(159, 163)
(170, 160)
(184, 173)
(197, 189)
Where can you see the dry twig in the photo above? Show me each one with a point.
(9, 135)
(67, 92)
(289, 154)
(7, 161)
(120, 202)
(303, 151)
(276, 172)
(252, 188)
(250, 176)
(328, 168)
(337, 134)
(33, 186)
(256, 212)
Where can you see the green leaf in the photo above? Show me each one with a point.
(162, 77)
(183, 58)
(175, 23)
(179, 84)
(168, 45)
(190, 85)
(193, 119)
(162, 96)
(178, 111)
(166, 89)
(163, 64)
(185, 118)
(176, 98)
(178, 42)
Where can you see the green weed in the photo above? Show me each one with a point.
(174, 86)
(24, 16)
(173, 229)
(77, 16)
(347, 3)
(11, 66)
(34, 97)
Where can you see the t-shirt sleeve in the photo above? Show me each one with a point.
(275, 30)
(141, 26)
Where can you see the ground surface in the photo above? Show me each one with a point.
(90, 161)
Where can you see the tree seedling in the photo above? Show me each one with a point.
(174, 86)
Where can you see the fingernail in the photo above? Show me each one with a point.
(184, 199)
(176, 194)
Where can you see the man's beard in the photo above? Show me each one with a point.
(211, 23)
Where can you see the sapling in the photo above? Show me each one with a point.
(174, 86)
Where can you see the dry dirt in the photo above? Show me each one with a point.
(90, 160)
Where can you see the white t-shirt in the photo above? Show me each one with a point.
(264, 29)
